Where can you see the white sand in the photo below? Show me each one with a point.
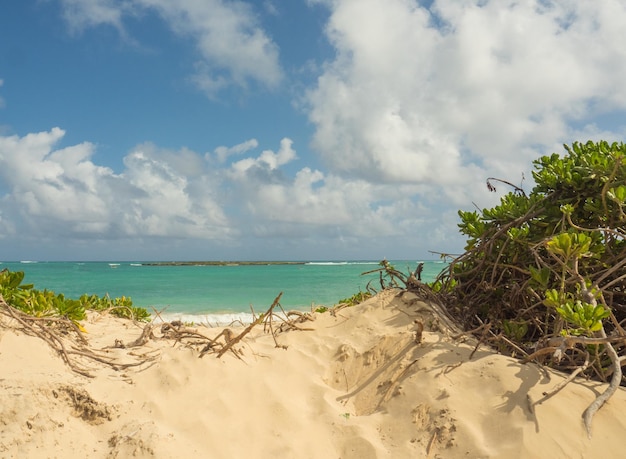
(357, 386)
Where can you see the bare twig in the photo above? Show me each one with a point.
(247, 330)
(608, 393)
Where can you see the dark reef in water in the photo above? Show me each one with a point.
(222, 263)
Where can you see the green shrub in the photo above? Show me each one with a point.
(549, 262)
(355, 299)
(46, 303)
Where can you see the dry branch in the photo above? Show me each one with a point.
(247, 330)
(57, 332)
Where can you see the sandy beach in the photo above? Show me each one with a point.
(365, 382)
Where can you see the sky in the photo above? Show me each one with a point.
(287, 129)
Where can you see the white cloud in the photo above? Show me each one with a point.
(166, 203)
(82, 14)
(271, 8)
(228, 37)
(63, 192)
(57, 185)
(60, 195)
(268, 161)
(233, 46)
(465, 90)
(222, 152)
(312, 203)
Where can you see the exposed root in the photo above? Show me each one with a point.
(85, 406)
(67, 340)
(614, 384)
(561, 385)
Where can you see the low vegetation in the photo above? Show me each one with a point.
(550, 263)
(543, 276)
(45, 303)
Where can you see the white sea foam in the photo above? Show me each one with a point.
(210, 320)
(213, 319)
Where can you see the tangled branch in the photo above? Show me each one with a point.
(545, 271)
(65, 337)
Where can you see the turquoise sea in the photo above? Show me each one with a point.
(210, 293)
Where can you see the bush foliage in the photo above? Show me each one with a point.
(45, 303)
(551, 262)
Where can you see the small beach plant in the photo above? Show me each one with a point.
(119, 307)
(355, 299)
(45, 303)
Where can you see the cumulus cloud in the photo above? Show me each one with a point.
(165, 205)
(448, 94)
(313, 203)
(266, 164)
(233, 47)
(228, 36)
(63, 192)
(222, 152)
(177, 195)
(262, 203)
(52, 184)
(82, 14)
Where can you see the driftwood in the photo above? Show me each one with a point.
(66, 338)
(287, 322)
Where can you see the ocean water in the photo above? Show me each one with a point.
(210, 293)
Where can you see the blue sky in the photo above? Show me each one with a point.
(286, 129)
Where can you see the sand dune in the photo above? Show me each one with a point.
(361, 384)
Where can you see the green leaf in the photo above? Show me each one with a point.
(553, 298)
(569, 245)
(617, 194)
(587, 317)
(540, 276)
